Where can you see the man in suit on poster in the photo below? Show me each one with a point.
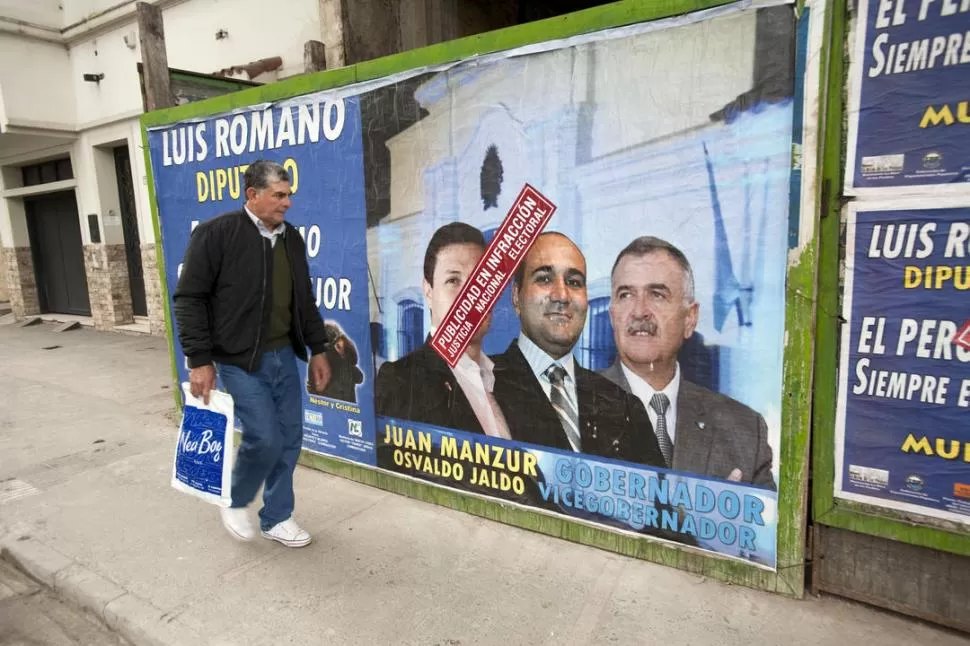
(653, 312)
(421, 387)
(547, 397)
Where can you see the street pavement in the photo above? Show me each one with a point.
(87, 433)
(31, 615)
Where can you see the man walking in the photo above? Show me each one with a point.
(244, 307)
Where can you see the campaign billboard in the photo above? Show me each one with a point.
(565, 268)
(902, 440)
(199, 167)
(908, 106)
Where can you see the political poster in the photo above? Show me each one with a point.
(909, 120)
(902, 440)
(199, 169)
(574, 282)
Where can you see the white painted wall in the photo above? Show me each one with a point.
(105, 114)
(97, 191)
(77, 10)
(257, 29)
(35, 84)
(46, 13)
(118, 94)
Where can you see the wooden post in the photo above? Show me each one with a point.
(314, 56)
(151, 30)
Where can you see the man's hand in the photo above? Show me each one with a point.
(319, 372)
(202, 381)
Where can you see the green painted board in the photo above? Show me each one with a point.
(788, 579)
(826, 509)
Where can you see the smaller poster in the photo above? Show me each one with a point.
(903, 419)
(909, 113)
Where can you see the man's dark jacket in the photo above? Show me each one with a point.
(225, 293)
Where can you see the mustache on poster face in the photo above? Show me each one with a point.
(642, 327)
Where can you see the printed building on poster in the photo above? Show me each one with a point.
(471, 138)
(75, 224)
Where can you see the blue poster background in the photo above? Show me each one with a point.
(876, 428)
(328, 209)
(892, 106)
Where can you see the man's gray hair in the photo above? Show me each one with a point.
(262, 172)
(646, 245)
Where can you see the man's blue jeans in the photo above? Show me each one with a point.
(269, 404)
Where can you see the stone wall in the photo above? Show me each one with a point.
(153, 289)
(18, 269)
(4, 292)
(108, 288)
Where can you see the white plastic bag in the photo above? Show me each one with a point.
(203, 454)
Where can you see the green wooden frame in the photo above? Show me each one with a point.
(789, 577)
(826, 510)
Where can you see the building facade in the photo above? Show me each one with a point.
(75, 219)
(76, 233)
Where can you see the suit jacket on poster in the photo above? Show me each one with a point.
(613, 424)
(715, 434)
(421, 387)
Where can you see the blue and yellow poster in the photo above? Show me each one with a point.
(199, 167)
(909, 111)
(903, 424)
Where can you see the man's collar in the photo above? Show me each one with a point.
(540, 361)
(637, 382)
(484, 367)
(280, 228)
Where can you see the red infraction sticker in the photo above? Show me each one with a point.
(524, 222)
(962, 338)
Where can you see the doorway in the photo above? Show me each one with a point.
(55, 242)
(129, 224)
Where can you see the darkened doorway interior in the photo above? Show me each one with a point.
(55, 242)
(129, 223)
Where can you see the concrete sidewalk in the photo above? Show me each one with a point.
(87, 431)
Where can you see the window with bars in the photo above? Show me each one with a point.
(599, 350)
(410, 324)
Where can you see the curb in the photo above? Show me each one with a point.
(130, 616)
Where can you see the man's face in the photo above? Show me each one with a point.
(269, 204)
(651, 317)
(454, 264)
(551, 301)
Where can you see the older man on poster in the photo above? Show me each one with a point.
(653, 312)
(547, 397)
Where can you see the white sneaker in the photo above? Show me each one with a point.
(288, 533)
(236, 522)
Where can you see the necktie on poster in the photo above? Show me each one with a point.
(528, 216)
